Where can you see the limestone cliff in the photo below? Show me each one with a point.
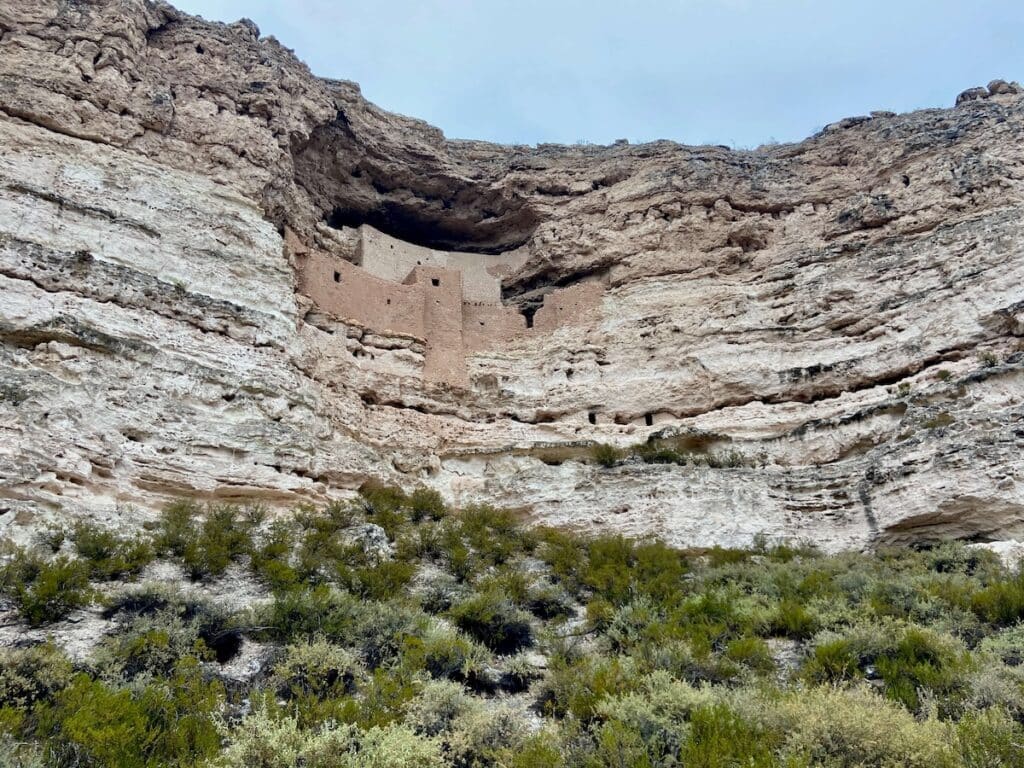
(846, 313)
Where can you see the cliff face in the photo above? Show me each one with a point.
(846, 312)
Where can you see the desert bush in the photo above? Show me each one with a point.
(606, 455)
(657, 713)
(493, 620)
(445, 653)
(1001, 603)
(206, 541)
(384, 628)
(15, 753)
(32, 674)
(1007, 644)
(163, 723)
(989, 738)
(110, 556)
(426, 504)
(922, 660)
(308, 612)
(832, 661)
(387, 507)
(380, 581)
(436, 707)
(482, 733)
(317, 668)
(45, 590)
(577, 686)
(272, 559)
(792, 620)
(850, 728)
(275, 740)
(751, 652)
(719, 736)
(494, 535)
(152, 644)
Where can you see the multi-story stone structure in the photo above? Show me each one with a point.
(450, 300)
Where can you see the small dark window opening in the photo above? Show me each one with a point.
(337, 277)
(592, 417)
(435, 281)
(649, 419)
(389, 301)
(528, 312)
(481, 322)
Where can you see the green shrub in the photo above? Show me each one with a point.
(45, 591)
(306, 612)
(208, 546)
(273, 740)
(110, 556)
(606, 455)
(920, 661)
(379, 582)
(494, 621)
(426, 504)
(657, 714)
(445, 654)
(793, 620)
(718, 738)
(387, 507)
(316, 668)
(165, 723)
(152, 644)
(480, 735)
(176, 528)
(752, 652)
(493, 535)
(576, 687)
(33, 674)
(990, 738)
(849, 728)
(437, 706)
(1002, 602)
(271, 561)
(832, 662)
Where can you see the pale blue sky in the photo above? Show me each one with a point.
(736, 72)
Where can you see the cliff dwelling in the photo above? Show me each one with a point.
(449, 299)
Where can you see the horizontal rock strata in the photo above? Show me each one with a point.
(844, 313)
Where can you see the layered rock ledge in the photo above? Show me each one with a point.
(845, 313)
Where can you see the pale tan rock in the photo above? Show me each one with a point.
(164, 181)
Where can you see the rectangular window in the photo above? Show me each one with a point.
(337, 277)
(435, 281)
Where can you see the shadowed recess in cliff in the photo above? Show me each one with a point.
(416, 195)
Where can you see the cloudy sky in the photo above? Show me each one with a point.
(737, 72)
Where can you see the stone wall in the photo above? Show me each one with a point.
(452, 301)
(393, 259)
(569, 306)
(351, 293)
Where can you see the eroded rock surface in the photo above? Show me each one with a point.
(845, 312)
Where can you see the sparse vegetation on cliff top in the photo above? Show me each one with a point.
(392, 631)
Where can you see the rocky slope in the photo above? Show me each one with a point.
(846, 312)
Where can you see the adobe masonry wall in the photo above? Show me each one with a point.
(432, 300)
(347, 291)
(393, 259)
(441, 291)
(568, 306)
